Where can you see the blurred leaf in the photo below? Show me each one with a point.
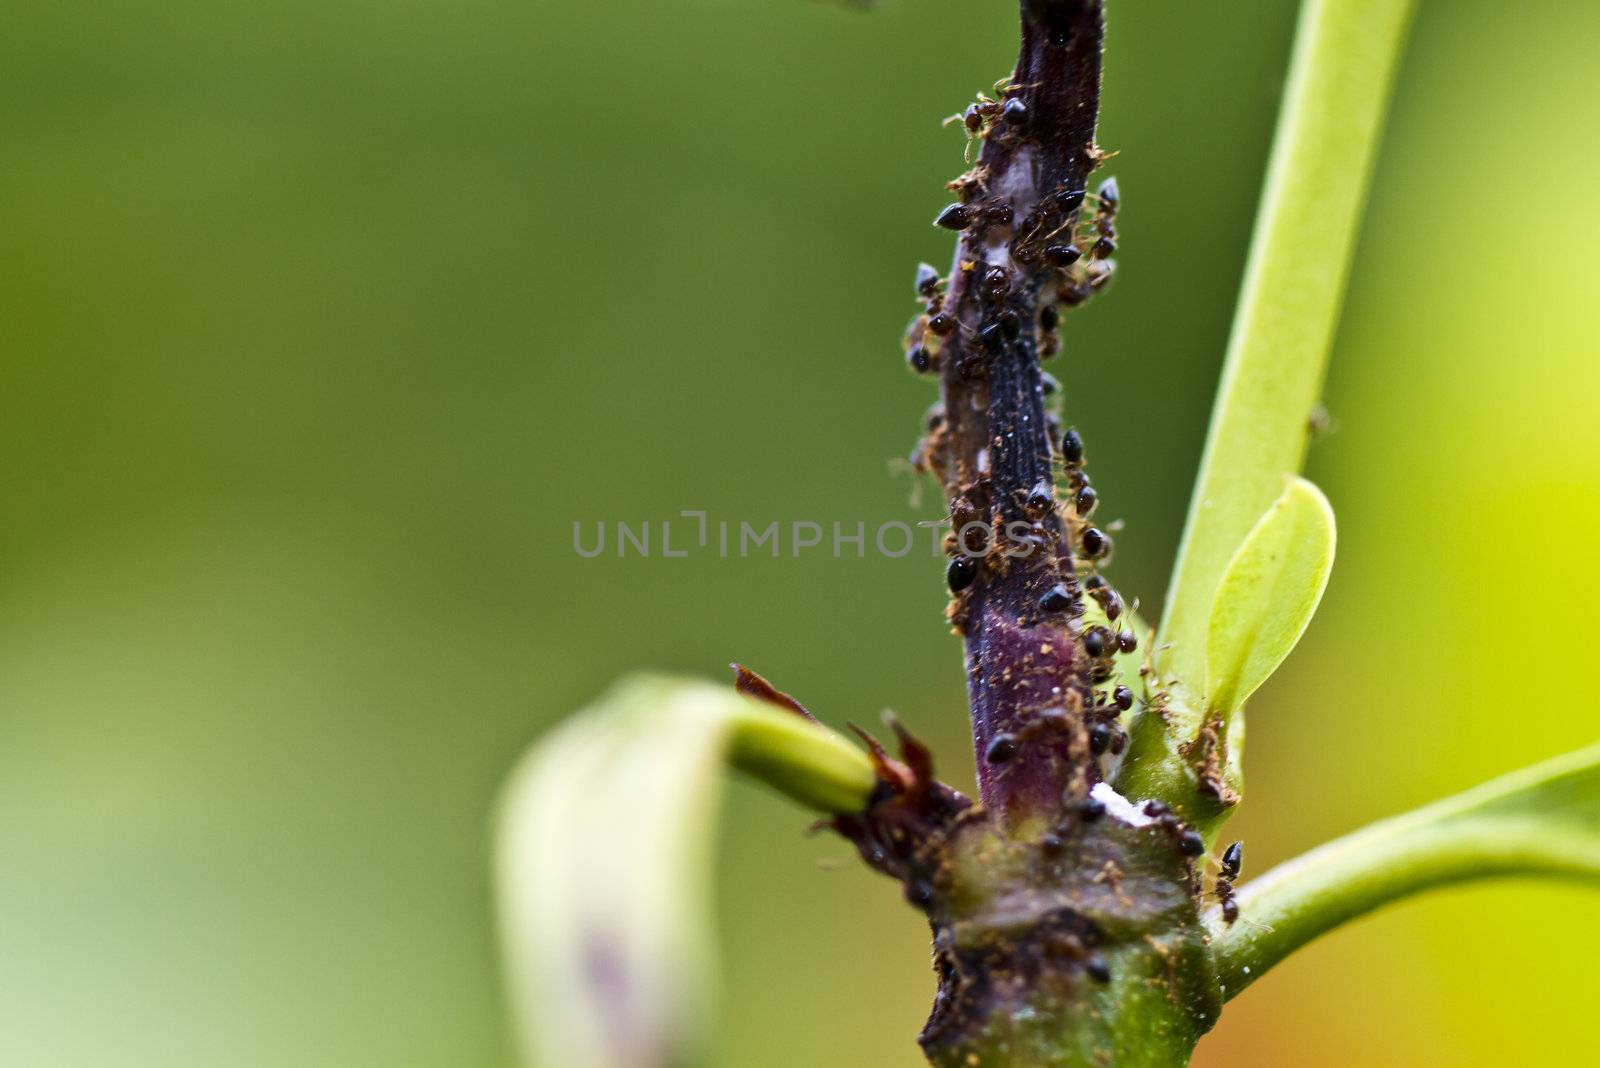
(604, 865)
(1267, 595)
(1544, 820)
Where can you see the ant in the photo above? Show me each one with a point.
(982, 115)
(1232, 865)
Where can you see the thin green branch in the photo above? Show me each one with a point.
(1543, 820)
(1344, 61)
(1328, 132)
(808, 764)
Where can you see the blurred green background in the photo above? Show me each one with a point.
(324, 321)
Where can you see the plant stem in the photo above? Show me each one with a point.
(994, 447)
(1542, 820)
(1066, 928)
(1327, 136)
(1344, 60)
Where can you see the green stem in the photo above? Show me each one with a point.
(1543, 820)
(1327, 136)
(1344, 60)
(804, 762)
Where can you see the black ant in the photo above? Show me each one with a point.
(986, 112)
(1082, 242)
(1232, 865)
(1188, 840)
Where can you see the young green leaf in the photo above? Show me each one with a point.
(1544, 820)
(1267, 595)
(603, 863)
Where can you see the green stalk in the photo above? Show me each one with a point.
(1343, 65)
(1544, 820)
(809, 765)
(1310, 213)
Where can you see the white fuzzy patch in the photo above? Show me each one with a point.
(1119, 806)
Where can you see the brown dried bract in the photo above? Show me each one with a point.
(750, 684)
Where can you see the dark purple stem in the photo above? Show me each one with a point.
(1030, 681)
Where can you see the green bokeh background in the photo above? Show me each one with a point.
(324, 321)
